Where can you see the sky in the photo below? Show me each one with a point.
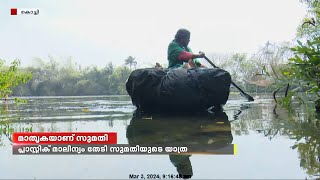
(96, 32)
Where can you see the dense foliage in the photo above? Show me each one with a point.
(10, 77)
(69, 79)
(310, 26)
(303, 70)
(305, 65)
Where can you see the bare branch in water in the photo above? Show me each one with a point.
(286, 94)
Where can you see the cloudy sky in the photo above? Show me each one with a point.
(95, 32)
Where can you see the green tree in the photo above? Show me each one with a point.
(118, 79)
(304, 68)
(130, 61)
(10, 77)
(53, 78)
(310, 27)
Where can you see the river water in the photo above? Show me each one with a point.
(271, 143)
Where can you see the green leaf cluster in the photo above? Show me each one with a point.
(10, 77)
(303, 69)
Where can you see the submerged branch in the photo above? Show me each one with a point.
(286, 93)
(275, 107)
(274, 95)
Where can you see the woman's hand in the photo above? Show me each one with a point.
(191, 63)
(200, 55)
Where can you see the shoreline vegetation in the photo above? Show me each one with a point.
(68, 78)
(263, 72)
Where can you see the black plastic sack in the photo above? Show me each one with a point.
(186, 90)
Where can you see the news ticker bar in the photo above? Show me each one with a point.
(122, 149)
(24, 11)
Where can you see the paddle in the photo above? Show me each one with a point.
(250, 98)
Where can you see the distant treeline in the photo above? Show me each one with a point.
(53, 78)
(69, 79)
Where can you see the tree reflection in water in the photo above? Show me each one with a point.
(298, 122)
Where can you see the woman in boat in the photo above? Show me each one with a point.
(180, 55)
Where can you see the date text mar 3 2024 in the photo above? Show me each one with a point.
(154, 176)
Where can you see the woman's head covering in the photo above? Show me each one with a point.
(182, 33)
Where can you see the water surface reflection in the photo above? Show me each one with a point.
(269, 147)
(200, 129)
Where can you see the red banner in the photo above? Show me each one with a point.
(65, 137)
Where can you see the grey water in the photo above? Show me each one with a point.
(281, 143)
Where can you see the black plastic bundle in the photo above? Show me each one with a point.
(178, 90)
